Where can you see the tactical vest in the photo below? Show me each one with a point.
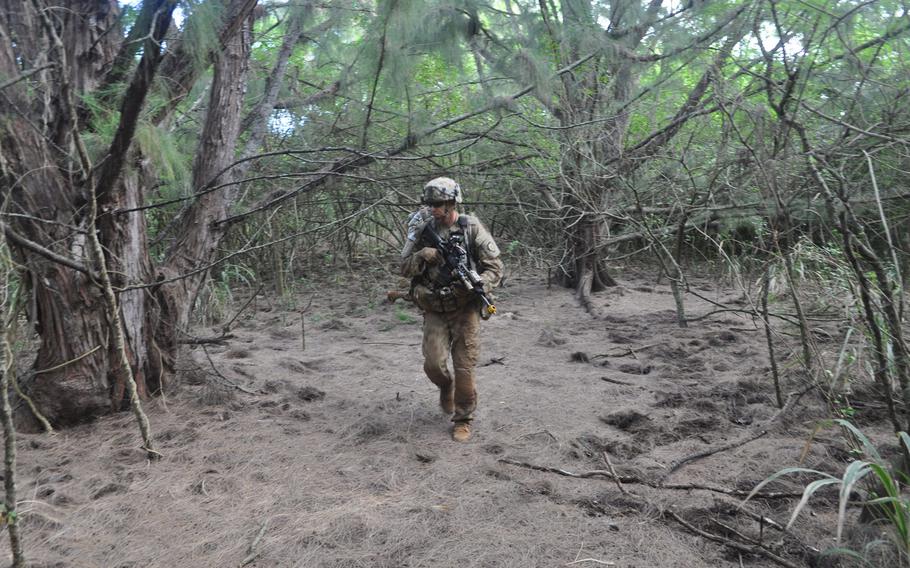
(436, 296)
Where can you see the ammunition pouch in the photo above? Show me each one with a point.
(441, 299)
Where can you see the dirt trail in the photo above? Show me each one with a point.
(342, 459)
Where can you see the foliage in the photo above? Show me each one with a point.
(403, 316)
(218, 296)
(886, 486)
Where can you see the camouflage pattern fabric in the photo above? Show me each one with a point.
(455, 333)
(428, 293)
(451, 324)
(442, 189)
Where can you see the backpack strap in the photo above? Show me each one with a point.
(468, 240)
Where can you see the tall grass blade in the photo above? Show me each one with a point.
(868, 448)
(853, 474)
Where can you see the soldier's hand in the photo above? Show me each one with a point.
(429, 254)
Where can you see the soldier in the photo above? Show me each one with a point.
(451, 312)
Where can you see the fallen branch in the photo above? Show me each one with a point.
(617, 382)
(689, 459)
(749, 549)
(753, 547)
(225, 380)
(627, 351)
(227, 327)
(791, 400)
(633, 480)
(216, 340)
(493, 361)
(566, 473)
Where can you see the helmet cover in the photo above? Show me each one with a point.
(442, 189)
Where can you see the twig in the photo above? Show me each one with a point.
(711, 452)
(617, 382)
(635, 480)
(493, 361)
(566, 473)
(766, 521)
(45, 423)
(15, 238)
(594, 560)
(763, 520)
(303, 323)
(628, 351)
(791, 400)
(227, 327)
(70, 362)
(9, 514)
(25, 75)
(606, 457)
(252, 553)
(769, 339)
(227, 381)
(218, 340)
(738, 534)
(750, 549)
(725, 491)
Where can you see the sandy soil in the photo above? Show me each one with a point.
(341, 458)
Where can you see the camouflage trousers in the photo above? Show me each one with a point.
(456, 333)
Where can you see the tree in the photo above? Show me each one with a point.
(57, 155)
(587, 124)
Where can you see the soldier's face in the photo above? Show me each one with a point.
(441, 209)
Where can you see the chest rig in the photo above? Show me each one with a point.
(462, 241)
(437, 288)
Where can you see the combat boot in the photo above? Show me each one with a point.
(447, 399)
(461, 432)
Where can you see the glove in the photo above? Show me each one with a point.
(417, 221)
(429, 255)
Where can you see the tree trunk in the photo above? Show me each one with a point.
(590, 178)
(126, 238)
(70, 380)
(189, 255)
(77, 375)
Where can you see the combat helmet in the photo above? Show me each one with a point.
(441, 189)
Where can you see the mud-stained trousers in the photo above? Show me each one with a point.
(457, 333)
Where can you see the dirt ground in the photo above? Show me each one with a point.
(341, 458)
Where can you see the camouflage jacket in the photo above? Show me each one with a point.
(484, 258)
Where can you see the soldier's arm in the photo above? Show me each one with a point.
(489, 265)
(413, 264)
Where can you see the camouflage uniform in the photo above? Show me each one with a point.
(451, 321)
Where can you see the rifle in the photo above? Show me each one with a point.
(455, 267)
